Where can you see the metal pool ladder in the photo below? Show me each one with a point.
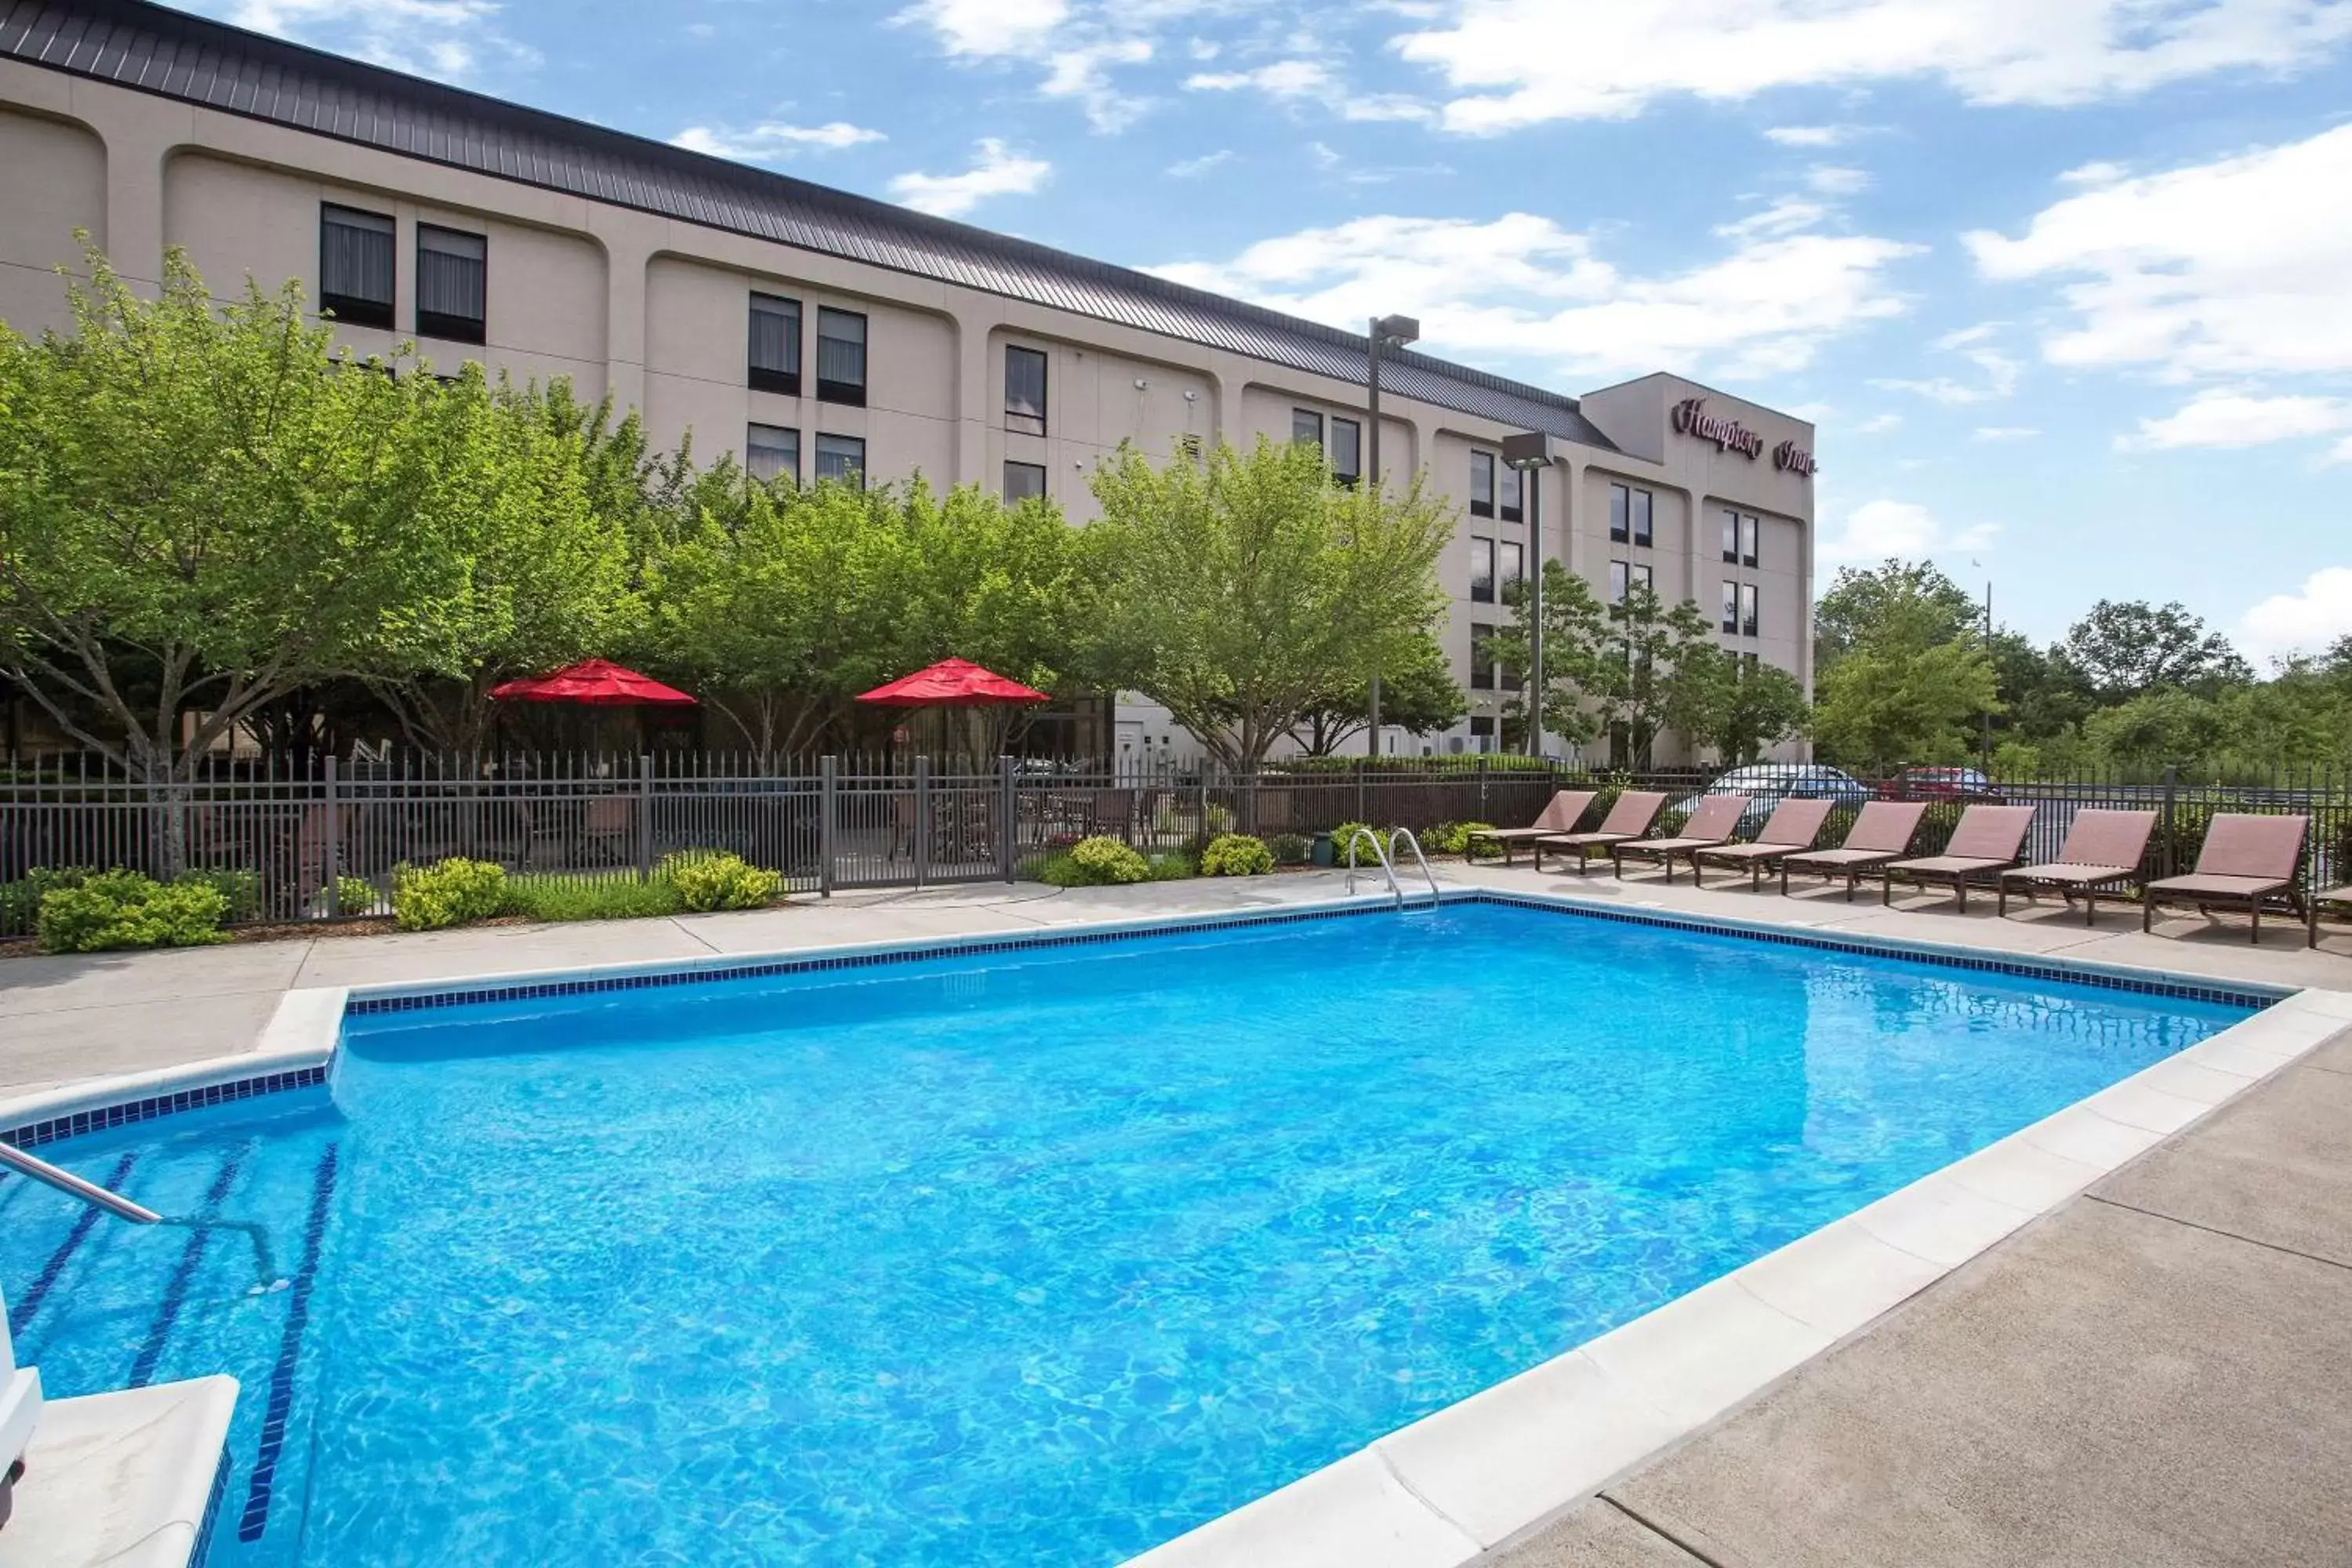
(73, 1186)
(1413, 844)
(1385, 855)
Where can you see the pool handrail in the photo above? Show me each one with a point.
(1435, 896)
(1366, 836)
(73, 1186)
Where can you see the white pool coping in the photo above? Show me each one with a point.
(1508, 1459)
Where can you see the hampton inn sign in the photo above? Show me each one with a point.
(1691, 418)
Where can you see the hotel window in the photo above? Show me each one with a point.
(841, 458)
(1618, 575)
(1621, 507)
(1482, 661)
(1482, 484)
(1024, 391)
(1731, 539)
(1748, 531)
(1731, 609)
(1511, 563)
(1347, 451)
(452, 284)
(1748, 622)
(1641, 506)
(355, 266)
(1306, 427)
(1023, 481)
(840, 362)
(772, 452)
(1513, 481)
(1482, 571)
(1481, 734)
(775, 364)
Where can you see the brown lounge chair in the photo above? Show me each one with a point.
(1989, 838)
(1794, 825)
(1630, 818)
(2318, 901)
(2102, 847)
(2245, 859)
(1882, 833)
(1559, 814)
(1713, 824)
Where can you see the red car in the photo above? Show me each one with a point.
(1940, 784)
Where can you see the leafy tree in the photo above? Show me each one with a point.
(1749, 710)
(2163, 727)
(2127, 648)
(1658, 672)
(1909, 685)
(1417, 697)
(202, 513)
(1859, 601)
(2042, 695)
(1243, 589)
(1575, 633)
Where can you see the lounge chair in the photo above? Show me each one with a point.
(1793, 826)
(1882, 833)
(2102, 847)
(1715, 823)
(2245, 859)
(1628, 818)
(2331, 896)
(1559, 814)
(1989, 838)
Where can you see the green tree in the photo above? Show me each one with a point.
(202, 513)
(1418, 696)
(2126, 648)
(2165, 726)
(1656, 674)
(1575, 633)
(1861, 599)
(1909, 682)
(1747, 709)
(1244, 588)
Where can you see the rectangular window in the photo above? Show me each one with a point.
(1747, 663)
(1347, 451)
(1643, 578)
(1481, 734)
(1025, 390)
(841, 458)
(1482, 571)
(1731, 609)
(1621, 509)
(775, 364)
(1619, 575)
(1511, 564)
(1482, 484)
(840, 362)
(1642, 506)
(1747, 531)
(1731, 539)
(1747, 619)
(1513, 482)
(1306, 427)
(452, 284)
(1023, 481)
(772, 452)
(355, 266)
(1482, 664)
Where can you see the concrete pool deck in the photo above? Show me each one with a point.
(2157, 1371)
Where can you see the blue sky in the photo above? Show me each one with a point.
(2067, 284)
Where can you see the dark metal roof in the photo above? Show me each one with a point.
(176, 55)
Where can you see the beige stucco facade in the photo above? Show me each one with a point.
(653, 311)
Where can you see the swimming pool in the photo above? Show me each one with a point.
(1041, 1256)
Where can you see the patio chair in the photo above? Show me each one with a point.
(1883, 832)
(1561, 814)
(2245, 859)
(2102, 847)
(1629, 818)
(1715, 823)
(2331, 895)
(1990, 838)
(609, 827)
(1793, 826)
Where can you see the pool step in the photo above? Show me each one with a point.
(129, 1480)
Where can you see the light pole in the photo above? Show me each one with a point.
(1387, 332)
(1532, 453)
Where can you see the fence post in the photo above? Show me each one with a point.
(828, 787)
(2171, 777)
(1362, 813)
(645, 815)
(1010, 825)
(334, 854)
(1482, 788)
(1202, 835)
(922, 820)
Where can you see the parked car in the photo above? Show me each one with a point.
(1965, 784)
(1769, 783)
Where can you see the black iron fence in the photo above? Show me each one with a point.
(327, 844)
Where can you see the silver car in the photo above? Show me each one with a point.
(1769, 783)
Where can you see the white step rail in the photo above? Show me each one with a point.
(66, 1182)
(1435, 897)
(1366, 836)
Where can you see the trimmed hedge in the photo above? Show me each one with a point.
(1236, 854)
(113, 909)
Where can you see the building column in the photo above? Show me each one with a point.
(630, 241)
(140, 137)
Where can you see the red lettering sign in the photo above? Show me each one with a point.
(1790, 457)
(1691, 418)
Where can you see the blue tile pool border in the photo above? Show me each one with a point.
(100, 1119)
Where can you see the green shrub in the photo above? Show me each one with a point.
(358, 895)
(1174, 866)
(240, 888)
(1291, 849)
(708, 881)
(20, 901)
(1236, 854)
(427, 898)
(1095, 863)
(1454, 838)
(613, 896)
(1347, 830)
(122, 909)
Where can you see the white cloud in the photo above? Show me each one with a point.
(2231, 267)
(1879, 424)
(989, 27)
(425, 37)
(2004, 433)
(1786, 216)
(771, 139)
(1522, 288)
(1521, 62)
(1806, 135)
(2306, 621)
(996, 171)
(1974, 344)
(1835, 181)
(1879, 529)
(2231, 419)
(1310, 81)
(1193, 168)
(1083, 74)
(2098, 172)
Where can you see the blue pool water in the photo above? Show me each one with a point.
(1039, 1257)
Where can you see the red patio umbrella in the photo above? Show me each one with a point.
(951, 683)
(596, 682)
